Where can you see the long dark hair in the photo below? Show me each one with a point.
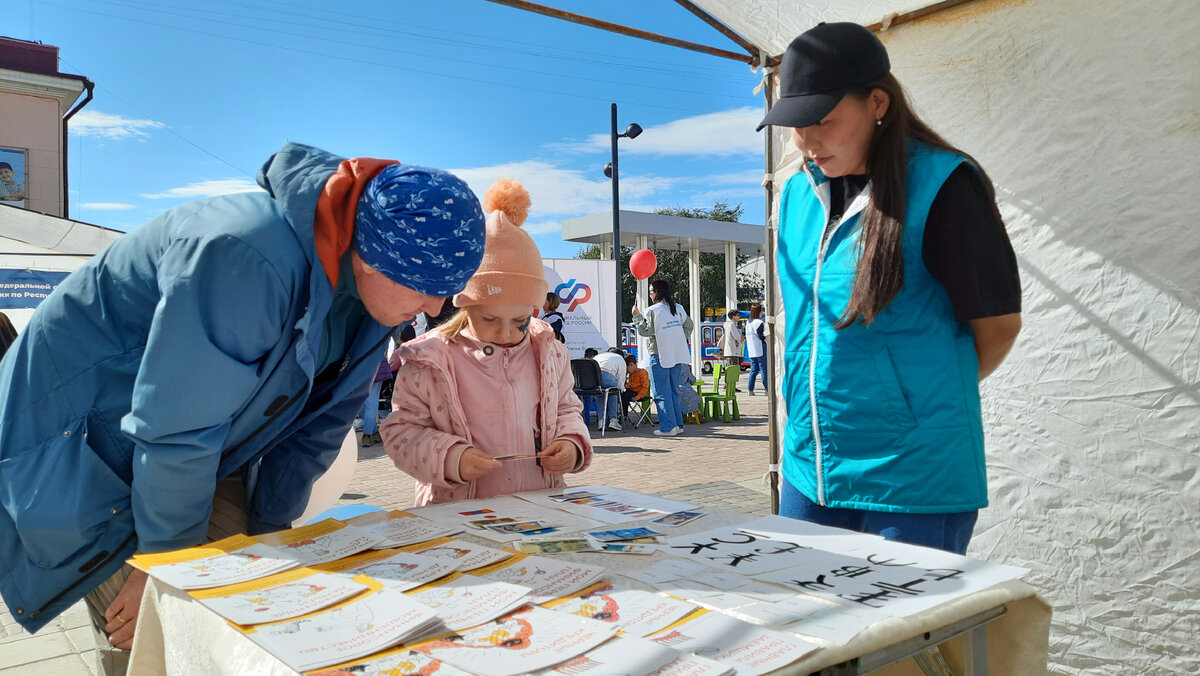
(879, 274)
(662, 289)
(8, 333)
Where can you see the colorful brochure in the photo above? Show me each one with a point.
(622, 534)
(560, 546)
(463, 601)
(366, 625)
(527, 640)
(464, 555)
(633, 611)
(547, 579)
(234, 559)
(327, 540)
(256, 602)
(397, 528)
(748, 648)
(399, 570)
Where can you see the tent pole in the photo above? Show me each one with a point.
(772, 233)
(625, 30)
(724, 30)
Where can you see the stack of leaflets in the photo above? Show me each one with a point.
(464, 555)
(547, 579)
(327, 540)
(279, 597)
(633, 611)
(347, 631)
(395, 569)
(397, 528)
(463, 601)
(234, 559)
(395, 662)
(628, 655)
(527, 640)
(747, 648)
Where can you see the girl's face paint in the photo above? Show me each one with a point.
(503, 325)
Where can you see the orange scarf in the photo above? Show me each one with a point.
(333, 223)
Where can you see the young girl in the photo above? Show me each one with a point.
(901, 291)
(668, 327)
(490, 382)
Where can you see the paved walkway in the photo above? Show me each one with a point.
(715, 464)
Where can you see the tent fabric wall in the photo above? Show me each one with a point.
(1084, 113)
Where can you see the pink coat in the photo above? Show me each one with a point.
(429, 429)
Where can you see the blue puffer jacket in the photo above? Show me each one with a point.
(883, 417)
(183, 353)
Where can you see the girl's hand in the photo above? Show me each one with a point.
(474, 463)
(560, 456)
(634, 310)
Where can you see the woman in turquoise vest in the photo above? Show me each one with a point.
(901, 292)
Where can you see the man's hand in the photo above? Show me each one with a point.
(474, 463)
(560, 456)
(122, 614)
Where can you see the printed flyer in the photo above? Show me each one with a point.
(257, 603)
(463, 601)
(633, 611)
(748, 648)
(547, 579)
(464, 555)
(234, 559)
(397, 528)
(328, 540)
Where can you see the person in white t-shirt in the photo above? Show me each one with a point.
(667, 326)
(733, 339)
(612, 374)
(756, 346)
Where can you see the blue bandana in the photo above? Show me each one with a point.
(420, 227)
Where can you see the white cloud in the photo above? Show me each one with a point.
(721, 134)
(558, 192)
(543, 227)
(106, 206)
(222, 186)
(109, 126)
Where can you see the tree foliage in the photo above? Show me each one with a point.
(673, 266)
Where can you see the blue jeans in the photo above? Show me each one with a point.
(370, 410)
(949, 532)
(664, 385)
(758, 366)
(614, 400)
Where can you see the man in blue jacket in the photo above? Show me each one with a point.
(210, 361)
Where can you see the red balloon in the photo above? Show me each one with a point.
(642, 263)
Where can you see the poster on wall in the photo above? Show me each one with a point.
(13, 175)
(27, 288)
(586, 290)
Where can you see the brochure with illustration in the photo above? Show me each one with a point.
(463, 601)
(327, 540)
(280, 598)
(546, 578)
(397, 528)
(235, 559)
(465, 555)
(396, 569)
(748, 648)
(633, 611)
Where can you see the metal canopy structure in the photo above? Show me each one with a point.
(644, 230)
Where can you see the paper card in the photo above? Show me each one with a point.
(503, 506)
(625, 548)
(782, 613)
(463, 601)
(327, 540)
(281, 601)
(687, 589)
(665, 571)
(393, 662)
(835, 623)
(633, 611)
(621, 655)
(764, 591)
(465, 555)
(401, 570)
(735, 549)
(693, 665)
(609, 505)
(677, 518)
(520, 527)
(529, 639)
(623, 534)
(748, 648)
(241, 565)
(900, 579)
(349, 631)
(397, 528)
(561, 546)
(546, 578)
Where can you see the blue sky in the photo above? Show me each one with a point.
(193, 95)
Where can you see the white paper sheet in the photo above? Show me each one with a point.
(620, 655)
(667, 570)
(284, 601)
(396, 662)
(748, 648)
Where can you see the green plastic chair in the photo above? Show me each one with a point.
(716, 380)
(727, 399)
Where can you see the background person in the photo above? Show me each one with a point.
(230, 342)
(733, 339)
(917, 298)
(552, 316)
(756, 346)
(638, 385)
(612, 374)
(10, 190)
(667, 327)
(492, 381)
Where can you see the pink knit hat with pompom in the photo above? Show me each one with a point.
(511, 272)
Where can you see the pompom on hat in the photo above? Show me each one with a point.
(421, 227)
(511, 272)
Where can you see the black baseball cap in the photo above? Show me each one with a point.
(819, 67)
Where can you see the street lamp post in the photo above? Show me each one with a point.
(610, 170)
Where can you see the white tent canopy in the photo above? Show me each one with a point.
(1084, 114)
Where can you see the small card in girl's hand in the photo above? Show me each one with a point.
(623, 534)
(677, 518)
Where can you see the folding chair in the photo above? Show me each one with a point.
(643, 412)
(588, 384)
(727, 399)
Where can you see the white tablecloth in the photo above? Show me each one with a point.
(178, 636)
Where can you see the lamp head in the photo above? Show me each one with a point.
(633, 130)
(608, 169)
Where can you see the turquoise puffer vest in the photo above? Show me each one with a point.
(886, 417)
